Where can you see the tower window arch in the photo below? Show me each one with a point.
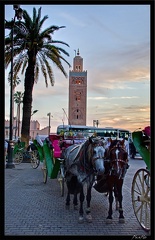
(77, 116)
(78, 82)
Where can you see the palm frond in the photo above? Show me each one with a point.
(25, 63)
(43, 69)
(38, 17)
(36, 73)
(34, 15)
(49, 69)
(27, 21)
(42, 21)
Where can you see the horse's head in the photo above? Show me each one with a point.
(98, 152)
(118, 158)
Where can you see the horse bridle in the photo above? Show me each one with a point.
(96, 158)
(117, 159)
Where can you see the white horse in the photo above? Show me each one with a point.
(82, 163)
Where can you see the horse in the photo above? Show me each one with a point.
(116, 165)
(82, 162)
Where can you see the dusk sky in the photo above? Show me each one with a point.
(114, 42)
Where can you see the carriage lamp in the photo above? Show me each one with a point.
(10, 164)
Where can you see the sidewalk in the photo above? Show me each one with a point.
(35, 208)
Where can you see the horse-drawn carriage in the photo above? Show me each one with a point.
(53, 151)
(141, 182)
(84, 158)
(78, 159)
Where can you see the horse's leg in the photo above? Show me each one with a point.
(120, 198)
(88, 198)
(109, 218)
(116, 197)
(81, 218)
(75, 202)
(68, 200)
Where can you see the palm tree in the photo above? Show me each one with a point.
(33, 50)
(16, 82)
(18, 99)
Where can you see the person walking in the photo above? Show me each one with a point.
(5, 149)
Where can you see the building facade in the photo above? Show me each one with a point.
(34, 129)
(77, 92)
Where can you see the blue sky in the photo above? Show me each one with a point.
(114, 42)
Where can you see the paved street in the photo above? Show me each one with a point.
(35, 208)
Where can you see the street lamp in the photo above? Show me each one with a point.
(95, 122)
(10, 164)
(49, 125)
(34, 112)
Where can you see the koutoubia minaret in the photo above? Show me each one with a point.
(77, 92)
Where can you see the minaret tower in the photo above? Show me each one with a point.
(77, 92)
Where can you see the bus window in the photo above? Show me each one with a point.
(85, 130)
(101, 132)
(124, 134)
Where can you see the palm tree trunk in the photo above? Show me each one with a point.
(27, 103)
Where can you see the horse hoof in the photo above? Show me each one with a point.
(67, 207)
(75, 207)
(81, 219)
(121, 220)
(108, 221)
(89, 218)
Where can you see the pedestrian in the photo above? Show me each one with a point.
(5, 149)
(126, 145)
(107, 145)
(39, 140)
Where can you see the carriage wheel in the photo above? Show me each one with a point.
(44, 169)
(18, 158)
(35, 161)
(61, 179)
(141, 197)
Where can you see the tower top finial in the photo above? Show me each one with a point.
(78, 52)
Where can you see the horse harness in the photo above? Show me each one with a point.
(117, 161)
(84, 166)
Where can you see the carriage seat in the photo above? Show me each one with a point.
(68, 142)
(54, 138)
(56, 149)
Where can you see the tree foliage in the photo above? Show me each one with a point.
(34, 50)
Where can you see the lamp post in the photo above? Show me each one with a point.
(10, 164)
(15, 118)
(32, 122)
(49, 124)
(95, 122)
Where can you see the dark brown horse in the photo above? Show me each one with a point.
(116, 165)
